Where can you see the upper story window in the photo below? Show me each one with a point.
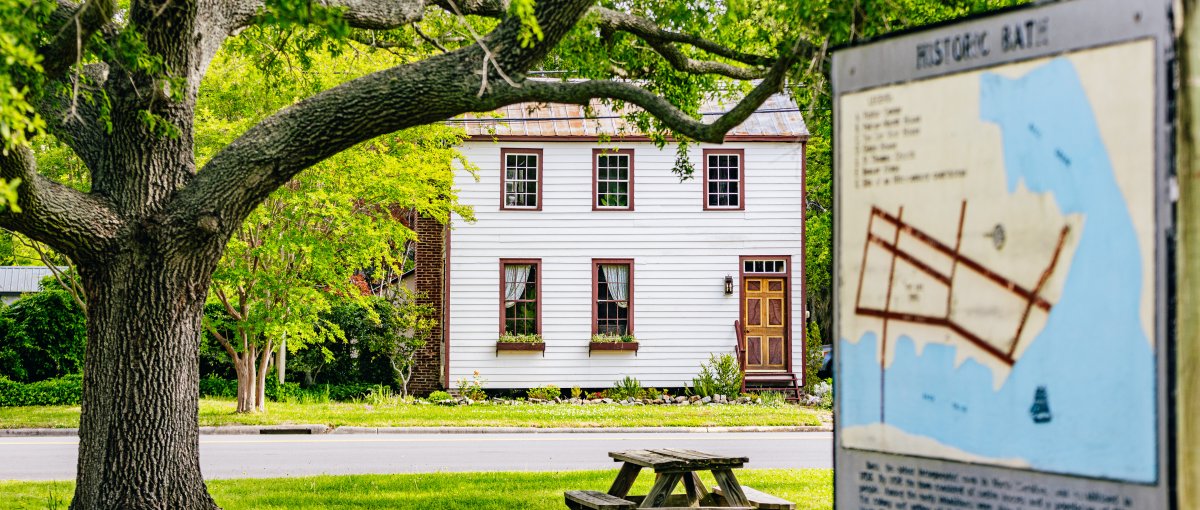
(520, 297)
(521, 179)
(612, 284)
(612, 182)
(724, 179)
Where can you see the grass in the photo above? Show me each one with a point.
(221, 412)
(810, 489)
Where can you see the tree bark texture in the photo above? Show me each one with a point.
(138, 430)
(150, 232)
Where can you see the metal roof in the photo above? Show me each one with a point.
(21, 279)
(777, 119)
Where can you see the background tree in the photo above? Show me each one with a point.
(300, 250)
(120, 89)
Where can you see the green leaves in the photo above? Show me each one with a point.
(20, 66)
(531, 32)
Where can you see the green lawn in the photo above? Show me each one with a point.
(220, 412)
(811, 489)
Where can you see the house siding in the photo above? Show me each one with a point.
(681, 254)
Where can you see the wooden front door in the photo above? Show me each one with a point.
(765, 323)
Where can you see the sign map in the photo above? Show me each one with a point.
(996, 266)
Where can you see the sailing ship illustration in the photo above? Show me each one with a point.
(1040, 410)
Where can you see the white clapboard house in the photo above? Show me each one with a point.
(582, 229)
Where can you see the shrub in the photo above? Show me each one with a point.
(473, 388)
(42, 336)
(626, 388)
(547, 392)
(67, 390)
(576, 392)
(814, 357)
(346, 392)
(721, 375)
(439, 396)
(217, 387)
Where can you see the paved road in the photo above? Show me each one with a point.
(51, 458)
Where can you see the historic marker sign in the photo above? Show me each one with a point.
(1001, 261)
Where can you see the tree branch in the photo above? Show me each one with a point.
(663, 42)
(76, 24)
(366, 14)
(583, 92)
(246, 171)
(233, 355)
(75, 120)
(75, 224)
(75, 289)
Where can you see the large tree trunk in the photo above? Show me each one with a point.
(138, 431)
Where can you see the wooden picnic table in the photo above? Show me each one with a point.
(672, 466)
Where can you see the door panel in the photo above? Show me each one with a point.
(754, 350)
(765, 326)
(775, 312)
(775, 351)
(753, 312)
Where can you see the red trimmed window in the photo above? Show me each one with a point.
(520, 297)
(521, 179)
(724, 179)
(612, 296)
(612, 179)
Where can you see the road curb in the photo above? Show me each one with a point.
(313, 429)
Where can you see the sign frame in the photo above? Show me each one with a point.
(975, 44)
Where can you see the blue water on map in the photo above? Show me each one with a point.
(1092, 356)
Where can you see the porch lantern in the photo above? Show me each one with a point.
(728, 285)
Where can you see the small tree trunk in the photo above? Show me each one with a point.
(139, 439)
(247, 379)
(260, 397)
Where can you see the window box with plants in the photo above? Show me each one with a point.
(610, 342)
(521, 343)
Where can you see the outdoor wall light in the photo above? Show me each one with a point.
(728, 285)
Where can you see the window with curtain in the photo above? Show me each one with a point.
(614, 179)
(614, 302)
(522, 178)
(521, 298)
(723, 180)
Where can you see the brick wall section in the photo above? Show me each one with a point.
(431, 281)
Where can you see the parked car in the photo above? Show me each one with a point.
(826, 370)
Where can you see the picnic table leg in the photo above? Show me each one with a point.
(661, 490)
(695, 489)
(625, 478)
(730, 487)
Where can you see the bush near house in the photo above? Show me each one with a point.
(720, 375)
(42, 337)
(67, 390)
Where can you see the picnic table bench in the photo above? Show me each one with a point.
(673, 466)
